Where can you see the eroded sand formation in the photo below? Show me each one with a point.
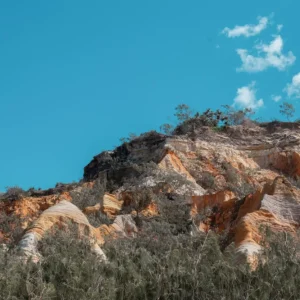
(262, 161)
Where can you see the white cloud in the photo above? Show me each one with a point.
(279, 27)
(274, 47)
(293, 88)
(276, 98)
(246, 97)
(269, 55)
(248, 29)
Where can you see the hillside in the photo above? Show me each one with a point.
(223, 185)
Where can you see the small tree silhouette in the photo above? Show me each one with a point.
(183, 112)
(167, 128)
(287, 109)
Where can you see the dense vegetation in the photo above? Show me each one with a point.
(156, 265)
(168, 259)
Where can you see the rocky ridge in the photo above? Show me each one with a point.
(233, 182)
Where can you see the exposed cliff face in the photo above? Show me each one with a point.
(239, 191)
(115, 163)
(233, 181)
(275, 205)
(64, 214)
(59, 215)
(109, 205)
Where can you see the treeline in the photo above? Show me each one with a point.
(188, 121)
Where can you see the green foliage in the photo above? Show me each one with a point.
(192, 124)
(217, 120)
(207, 180)
(140, 199)
(130, 138)
(98, 218)
(69, 270)
(132, 173)
(13, 193)
(287, 109)
(182, 112)
(236, 181)
(233, 116)
(89, 196)
(167, 129)
(211, 118)
(155, 265)
(11, 228)
(85, 196)
(174, 214)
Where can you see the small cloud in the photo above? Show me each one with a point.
(248, 29)
(276, 98)
(246, 97)
(293, 89)
(217, 46)
(279, 27)
(272, 56)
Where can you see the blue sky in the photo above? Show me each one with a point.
(75, 76)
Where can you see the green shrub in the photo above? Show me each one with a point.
(236, 182)
(11, 228)
(175, 213)
(155, 265)
(86, 196)
(13, 193)
(167, 129)
(140, 199)
(182, 112)
(236, 117)
(207, 180)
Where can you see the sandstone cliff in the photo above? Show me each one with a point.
(232, 181)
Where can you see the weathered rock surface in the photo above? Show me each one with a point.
(234, 181)
(60, 215)
(110, 205)
(123, 226)
(244, 159)
(64, 214)
(276, 205)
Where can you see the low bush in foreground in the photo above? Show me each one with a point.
(155, 265)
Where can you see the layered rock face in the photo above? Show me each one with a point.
(237, 181)
(59, 215)
(62, 216)
(233, 181)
